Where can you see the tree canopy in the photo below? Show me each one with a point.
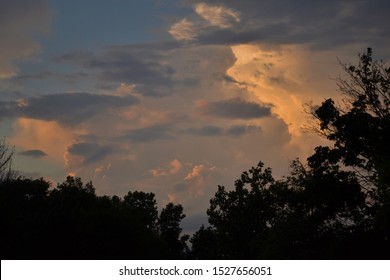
(71, 222)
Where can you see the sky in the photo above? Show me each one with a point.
(173, 97)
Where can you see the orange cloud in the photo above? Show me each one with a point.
(47, 136)
(219, 16)
(174, 167)
(286, 79)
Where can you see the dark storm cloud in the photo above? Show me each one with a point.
(66, 108)
(235, 108)
(89, 151)
(134, 64)
(320, 24)
(33, 153)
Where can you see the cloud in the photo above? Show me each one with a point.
(219, 16)
(89, 152)
(212, 131)
(207, 130)
(196, 172)
(235, 108)
(240, 130)
(20, 21)
(314, 23)
(210, 17)
(66, 108)
(184, 30)
(140, 65)
(33, 153)
(149, 134)
(174, 167)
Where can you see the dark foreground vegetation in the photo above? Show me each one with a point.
(336, 205)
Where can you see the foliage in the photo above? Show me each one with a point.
(72, 222)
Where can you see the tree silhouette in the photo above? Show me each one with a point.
(170, 230)
(6, 154)
(71, 222)
(360, 132)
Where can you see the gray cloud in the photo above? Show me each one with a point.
(89, 151)
(316, 23)
(235, 130)
(149, 134)
(66, 108)
(134, 64)
(240, 130)
(208, 130)
(33, 153)
(235, 108)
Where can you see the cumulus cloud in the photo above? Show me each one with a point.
(174, 167)
(33, 153)
(235, 108)
(20, 20)
(196, 172)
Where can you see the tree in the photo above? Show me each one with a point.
(142, 207)
(71, 221)
(360, 132)
(360, 127)
(6, 154)
(170, 230)
(240, 219)
(23, 218)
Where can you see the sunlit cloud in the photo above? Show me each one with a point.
(183, 30)
(174, 167)
(41, 135)
(219, 16)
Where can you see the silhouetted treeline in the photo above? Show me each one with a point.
(334, 206)
(72, 222)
